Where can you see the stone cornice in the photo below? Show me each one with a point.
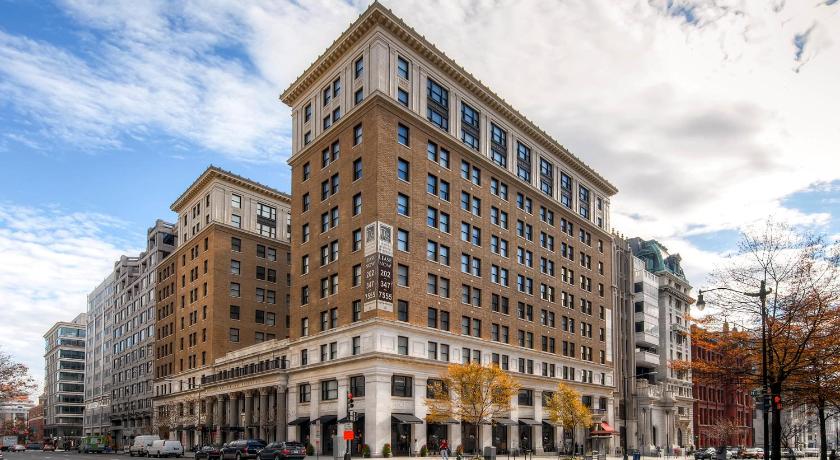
(214, 172)
(378, 15)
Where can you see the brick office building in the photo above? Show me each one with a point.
(435, 224)
(723, 413)
(224, 287)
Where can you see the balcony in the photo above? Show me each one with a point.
(646, 358)
(646, 338)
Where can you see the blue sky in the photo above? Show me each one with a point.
(707, 117)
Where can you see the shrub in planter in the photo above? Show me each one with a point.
(310, 449)
(386, 450)
(424, 451)
(366, 451)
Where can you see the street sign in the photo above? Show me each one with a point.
(348, 432)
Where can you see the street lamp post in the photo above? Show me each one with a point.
(626, 431)
(762, 293)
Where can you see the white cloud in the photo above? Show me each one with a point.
(51, 261)
(706, 114)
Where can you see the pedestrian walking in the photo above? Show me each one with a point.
(444, 449)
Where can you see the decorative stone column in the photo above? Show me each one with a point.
(232, 415)
(280, 417)
(218, 417)
(263, 423)
(249, 413)
(537, 442)
(420, 432)
(377, 411)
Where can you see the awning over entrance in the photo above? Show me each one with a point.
(549, 422)
(299, 421)
(324, 419)
(448, 421)
(406, 419)
(504, 421)
(529, 422)
(602, 430)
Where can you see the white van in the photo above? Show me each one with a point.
(166, 448)
(141, 444)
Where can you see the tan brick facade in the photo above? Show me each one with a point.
(379, 187)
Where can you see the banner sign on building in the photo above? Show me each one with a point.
(379, 267)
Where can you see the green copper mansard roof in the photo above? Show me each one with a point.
(656, 257)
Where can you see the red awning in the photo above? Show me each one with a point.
(602, 429)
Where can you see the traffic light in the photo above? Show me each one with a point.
(777, 402)
(349, 402)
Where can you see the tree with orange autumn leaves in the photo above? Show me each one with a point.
(803, 321)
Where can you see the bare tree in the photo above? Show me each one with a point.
(14, 378)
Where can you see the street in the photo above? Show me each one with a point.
(41, 455)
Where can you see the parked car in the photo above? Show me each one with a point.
(49, 448)
(242, 449)
(141, 444)
(788, 453)
(18, 448)
(283, 451)
(753, 452)
(812, 452)
(165, 448)
(34, 446)
(732, 453)
(209, 452)
(705, 454)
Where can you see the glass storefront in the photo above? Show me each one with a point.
(548, 437)
(500, 438)
(435, 433)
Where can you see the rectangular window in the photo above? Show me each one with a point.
(402, 310)
(498, 145)
(403, 205)
(403, 134)
(438, 104)
(402, 96)
(402, 345)
(523, 162)
(358, 67)
(329, 390)
(402, 68)
(357, 136)
(234, 334)
(402, 386)
(403, 170)
(470, 126)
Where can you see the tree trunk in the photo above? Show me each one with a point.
(823, 437)
(776, 425)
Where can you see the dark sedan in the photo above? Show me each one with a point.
(242, 449)
(283, 451)
(209, 453)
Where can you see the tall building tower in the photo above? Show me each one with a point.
(624, 273)
(98, 363)
(64, 385)
(661, 306)
(225, 286)
(435, 224)
(133, 337)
